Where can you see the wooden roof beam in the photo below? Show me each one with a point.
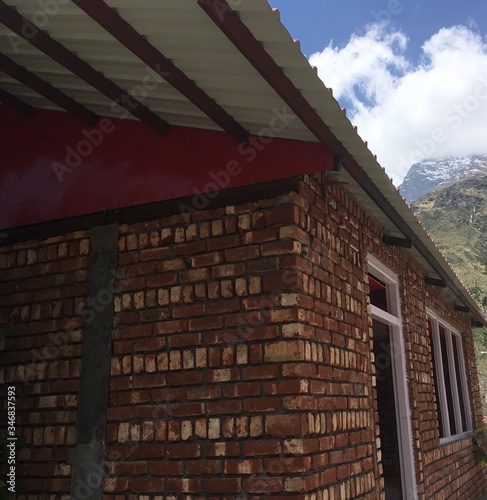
(393, 241)
(120, 29)
(435, 282)
(45, 89)
(237, 32)
(16, 104)
(56, 51)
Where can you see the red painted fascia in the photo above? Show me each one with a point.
(123, 163)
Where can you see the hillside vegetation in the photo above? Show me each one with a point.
(456, 218)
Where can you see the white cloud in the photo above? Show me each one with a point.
(408, 111)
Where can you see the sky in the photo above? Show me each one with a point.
(412, 75)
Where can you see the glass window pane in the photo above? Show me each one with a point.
(446, 373)
(378, 293)
(456, 349)
(435, 378)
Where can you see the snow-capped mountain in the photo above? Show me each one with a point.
(428, 175)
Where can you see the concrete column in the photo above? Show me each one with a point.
(88, 459)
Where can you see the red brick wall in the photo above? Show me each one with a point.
(447, 471)
(242, 355)
(43, 286)
(206, 373)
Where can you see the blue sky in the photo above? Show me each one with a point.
(412, 71)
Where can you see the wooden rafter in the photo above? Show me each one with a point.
(56, 51)
(17, 104)
(44, 88)
(229, 22)
(120, 29)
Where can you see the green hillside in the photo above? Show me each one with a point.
(456, 218)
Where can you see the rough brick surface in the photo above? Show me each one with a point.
(43, 287)
(242, 359)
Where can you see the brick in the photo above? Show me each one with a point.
(160, 280)
(262, 404)
(243, 466)
(223, 242)
(256, 426)
(165, 468)
(259, 236)
(165, 327)
(280, 280)
(243, 253)
(263, 484)
(133, 397)
(291, 425)
(151, 380)
(186, 430)
(260, 333)
(184, 340)
(227, 270)
(224, 407)
(223, 307)
(204, 467)
(183, 485)
(288, 465)
(285, 214)
(243, 318)
(115, 485)
(183, 450)
(200, 428)
(294, 484)
(147, 485)
(242, 389)
(187, 409)
(187, 311)
(226, 287)
(222, 375)
(213, 428)
(141, 268)
(285, 351)
(191, 248)
(194, 275)
(151, 344)
(204, 392)
(206, 323)
(262, 447)
(209, 259)
(222, 485)
(259, 372)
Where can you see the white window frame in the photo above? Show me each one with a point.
(452, 335)
(398, 359)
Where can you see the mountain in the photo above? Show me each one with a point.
(456, 218)
(436, 174)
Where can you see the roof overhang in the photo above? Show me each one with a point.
(207, 64)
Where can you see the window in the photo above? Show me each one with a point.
(450, 379)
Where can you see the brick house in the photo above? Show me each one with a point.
(224, 297)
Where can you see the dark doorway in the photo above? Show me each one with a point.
(387, 411)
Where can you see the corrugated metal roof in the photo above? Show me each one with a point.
(185, 34)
